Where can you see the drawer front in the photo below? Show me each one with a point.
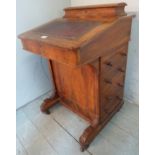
(112, 96)
(61, 55)
(115, 63)
(119, 61)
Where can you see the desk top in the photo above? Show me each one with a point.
(78, 25)
(81, 35)
(65, 33)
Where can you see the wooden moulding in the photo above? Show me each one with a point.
(96, 11)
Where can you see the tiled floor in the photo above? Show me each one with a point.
(58, 133)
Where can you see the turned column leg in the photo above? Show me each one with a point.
(49, 103)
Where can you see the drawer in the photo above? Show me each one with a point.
(118, 79)
(113, 70)
(58, 54)
(108, 71)
(111, 104)
(119, 61)
(112, 96)
(109, 90)
(113, 76)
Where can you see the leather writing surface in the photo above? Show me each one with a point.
(68, 29)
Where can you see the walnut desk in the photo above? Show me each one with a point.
(87, 53)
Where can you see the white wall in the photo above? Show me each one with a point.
(132, 75)
(32, 71)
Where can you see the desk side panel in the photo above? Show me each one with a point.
(78, 88)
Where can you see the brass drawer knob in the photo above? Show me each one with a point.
(108, 81)
(108, 64)
(118, 97)
(123, 54)
(121, 70)
(120, 84)
(109, 98)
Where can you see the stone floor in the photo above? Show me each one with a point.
(59, 132)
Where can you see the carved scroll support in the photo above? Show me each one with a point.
(49, 103)
(91, 132)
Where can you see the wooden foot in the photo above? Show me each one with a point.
(48, 103)
(88, 135)
(91, 132)
(47, 112)
(84, 147)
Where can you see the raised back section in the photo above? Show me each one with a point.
(93, 12)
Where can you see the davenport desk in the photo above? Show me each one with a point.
(87, 53)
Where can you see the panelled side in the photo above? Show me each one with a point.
(78, 89)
